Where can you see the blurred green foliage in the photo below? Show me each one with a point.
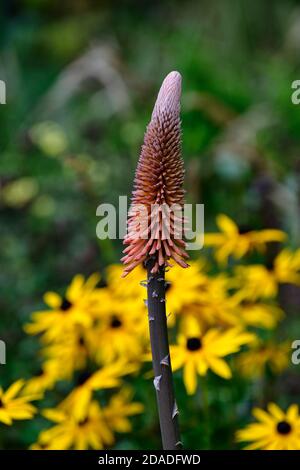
(81, 81)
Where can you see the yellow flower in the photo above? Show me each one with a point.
(183, 287)
(119, 408)
(70, 353)
(95, 430)
(120, 333)
(255, 282)
(107, 377)
(69, 433)
(253, 363)
(75, 308)
(232, 242)
(218, 306)
(197, 352)
(50, 373)
(287, 267)
(14, 405)
(214, 305)
(129, 289)
(275, 429)
(260, 315)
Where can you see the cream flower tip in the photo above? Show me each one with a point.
(168, 98)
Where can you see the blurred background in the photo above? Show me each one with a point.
(81, 77)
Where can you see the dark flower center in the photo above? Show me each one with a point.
(65, 305)
(84, 421)
(270, 264)
(168, 285)
(115, 322)
(83, 377)
(193, 344)
(283, 427)
(244, 229)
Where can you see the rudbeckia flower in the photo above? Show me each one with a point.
(119, 408)
(134, 283)
(196, 352)
(107, 377)
(214, 304)
(231, 242)
(75, 308)
(260, 315)
(255, 282)
(70, 433)
(70, 352)
(262, 355)
(14, 405)
(287, 267)
(184, 287)
(94, 431)
(46, 378)
(275, 429)
(120, 333)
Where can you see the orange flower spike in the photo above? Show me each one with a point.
(155, 219)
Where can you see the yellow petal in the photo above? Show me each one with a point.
(227, 225)
(192, 328)
(224, 252)
(190, 377)
(5, 418)
(57, 416)
(202, 366)
(212, 239)
(242, 247)
(13, 390)
(262, 416)
(177, 357)
(292, 413)
(23, 414)
(92, 281)
(52, 299)
(219, 367)
(74, 289)
(276, 411)
(81, 403)
(270, 235)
